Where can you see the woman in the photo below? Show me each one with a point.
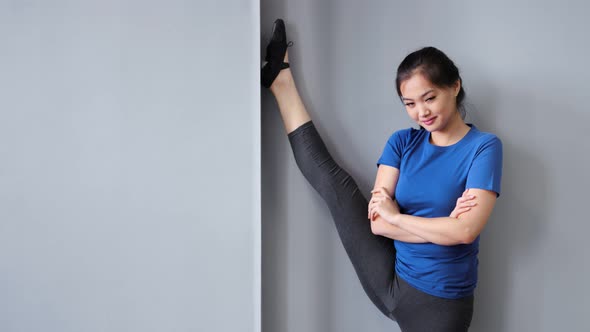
(426, 281)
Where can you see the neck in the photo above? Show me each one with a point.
(451, 134)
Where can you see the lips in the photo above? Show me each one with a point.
(429, 121)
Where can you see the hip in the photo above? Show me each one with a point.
(415, 310)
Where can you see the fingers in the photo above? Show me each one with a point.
(376, 202)
(464, 204)
(466, 193)
(377, 199)
(457, 212)
(465, 198)
(380, 190)
(380, 195)
(466, 201)
(463, 209)
(373, 205)
(372, 213)
(374, 216)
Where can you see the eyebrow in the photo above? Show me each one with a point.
(422, 96)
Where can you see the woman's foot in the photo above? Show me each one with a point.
(276, 54)
(283, 78)
(276, 75)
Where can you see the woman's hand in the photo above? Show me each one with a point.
(382, 205)
(464, 204)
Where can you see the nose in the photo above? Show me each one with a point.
(423, 111)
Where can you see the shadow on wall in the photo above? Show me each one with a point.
(510, 242)
(274, 278)
(286, 280)
(302, 285)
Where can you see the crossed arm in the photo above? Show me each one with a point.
(463, 225)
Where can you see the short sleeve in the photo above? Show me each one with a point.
(486, 168)
(393, 150)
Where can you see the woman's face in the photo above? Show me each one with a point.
(430, 106)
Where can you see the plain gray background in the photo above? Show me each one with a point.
(525, 70)
(130, 165)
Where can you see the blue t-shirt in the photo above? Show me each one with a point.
(431, 178)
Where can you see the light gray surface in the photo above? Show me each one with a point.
(525, 73)
(129, 178)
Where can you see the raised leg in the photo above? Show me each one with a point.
(372, 256)
(291, 106)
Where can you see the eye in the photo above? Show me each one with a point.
(410, 105)
(430, 99)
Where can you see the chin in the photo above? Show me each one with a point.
(436, 126)
(431, 128)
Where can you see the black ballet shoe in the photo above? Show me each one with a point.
(275, 54)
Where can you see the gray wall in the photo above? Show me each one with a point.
(130, 160)
(525, 70)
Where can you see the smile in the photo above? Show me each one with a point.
(429, 121)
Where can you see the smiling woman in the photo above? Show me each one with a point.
(420, 174)
(432, 107)
(434, 192)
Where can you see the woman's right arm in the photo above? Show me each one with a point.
(387, 177)
(381, 227)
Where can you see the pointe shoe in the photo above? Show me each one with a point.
(275, 54)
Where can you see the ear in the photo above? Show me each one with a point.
(457, 87)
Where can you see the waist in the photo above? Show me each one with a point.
(445, 271)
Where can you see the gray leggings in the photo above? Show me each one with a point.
(372, 256)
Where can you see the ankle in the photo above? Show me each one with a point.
(283, 81)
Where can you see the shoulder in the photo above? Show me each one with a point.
(485, 140)
(405, 136)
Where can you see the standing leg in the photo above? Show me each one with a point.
(372, 256)
(416, 311)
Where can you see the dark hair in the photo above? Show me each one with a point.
(436, 67)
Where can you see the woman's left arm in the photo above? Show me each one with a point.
(445, 230)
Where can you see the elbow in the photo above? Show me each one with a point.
(379, 227)
(376, 228)
(468, 240)
(468, 236)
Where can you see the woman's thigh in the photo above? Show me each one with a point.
(372, 256)
(416, 311)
